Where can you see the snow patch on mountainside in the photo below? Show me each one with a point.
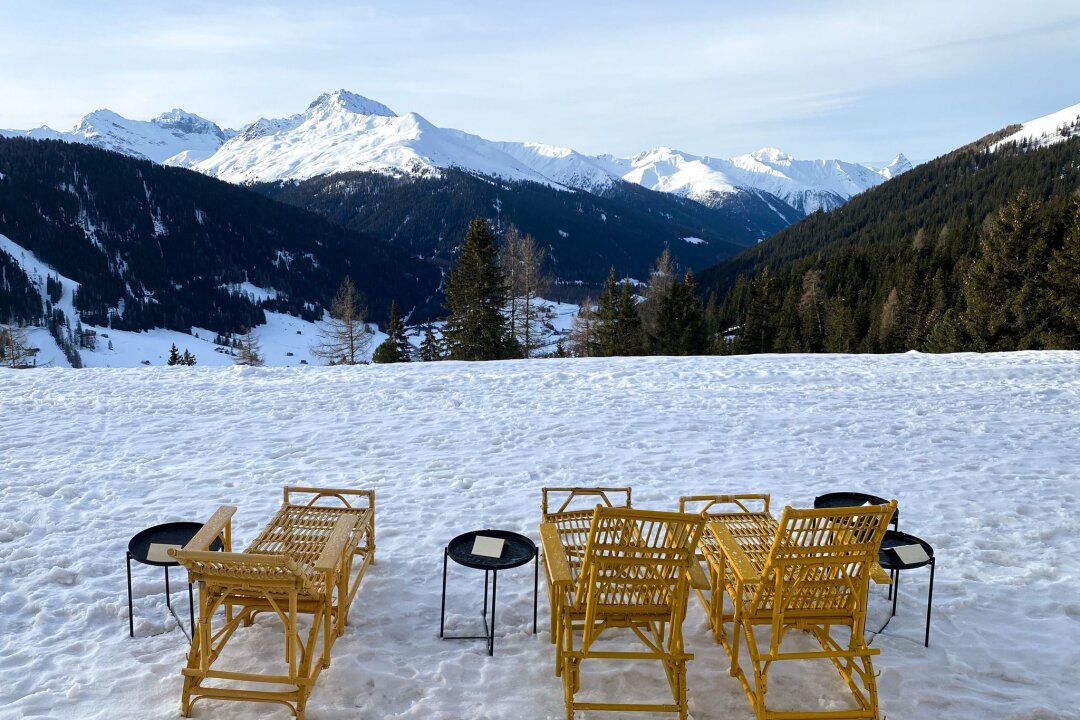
(1047, 130)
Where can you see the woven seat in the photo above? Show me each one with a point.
(632, 575)
(808, 571)
(308, 560)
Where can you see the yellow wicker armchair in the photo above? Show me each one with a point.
(308, 560)
(633, 574)
(567, 512)
(812, 575)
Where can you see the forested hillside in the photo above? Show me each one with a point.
(970, 251)
(154, 246)
(584, 234)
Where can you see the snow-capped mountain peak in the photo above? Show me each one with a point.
(899, 165)
(770, 155)
(345, 101)
(181, 122)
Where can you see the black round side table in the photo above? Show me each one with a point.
(148, 547)
(891, 561)
(517, 550)
(854, 499)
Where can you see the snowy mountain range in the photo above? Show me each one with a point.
(344, 132)
(175, 137)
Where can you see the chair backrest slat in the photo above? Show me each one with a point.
(636, 558)
(821, 559)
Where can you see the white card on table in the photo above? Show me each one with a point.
(159, 552)
(911, 554)
(488, 546)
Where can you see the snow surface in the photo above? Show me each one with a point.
(1046, 130)
(980, 450)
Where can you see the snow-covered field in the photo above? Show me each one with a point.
(983, 453)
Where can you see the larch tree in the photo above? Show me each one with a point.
(344, 337)
(14, 347)
(476, 296)
(521, 260)
(249, 350)
(583, 340)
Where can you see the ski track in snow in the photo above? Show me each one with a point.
(981, 451)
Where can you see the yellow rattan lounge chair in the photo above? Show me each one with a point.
(569, 511)
(811, 575)
(307, 561)
(633, 574)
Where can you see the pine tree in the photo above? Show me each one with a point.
(431, 347)
(662, 281)
(1063, 284)
(680, 321)
(344, 337)
(174, 356)
(1002, 286)
(618, 324)
(187, 359)
(395, 348)
(476, 296)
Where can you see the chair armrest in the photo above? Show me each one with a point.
(211, 529)
(740, 563)
(698, 579)
(555, 555)
(334, 549)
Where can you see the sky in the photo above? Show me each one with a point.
(859, 81)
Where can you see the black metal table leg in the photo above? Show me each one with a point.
(929, 602)
(494, 590)
(191, 608)
(896, 593)
(442, 612)
(536, 584)
(131, 613)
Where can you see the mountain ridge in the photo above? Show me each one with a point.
(341, 131)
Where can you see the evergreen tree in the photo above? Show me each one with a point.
(345, 337)
(431, 347)
(395, 348)
(186, 359)
(1001, 287)
(680, 321)
(662, 280)
(1063, 285)
(476, 296)
(618, 324)
(174, 356)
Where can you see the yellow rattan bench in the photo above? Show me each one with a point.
(307, 561)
